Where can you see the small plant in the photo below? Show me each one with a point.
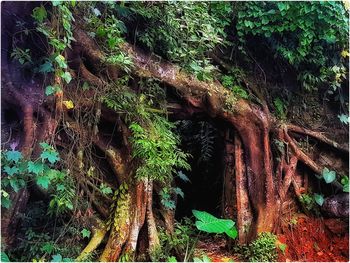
(181, 243)
(20, 171)
(263, 249)
(345, 182)
(280, 108)
(204, 258)
(210, 224)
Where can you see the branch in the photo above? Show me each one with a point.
(306, 159)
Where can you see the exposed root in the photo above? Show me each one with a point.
(317, 135)
(99, 231)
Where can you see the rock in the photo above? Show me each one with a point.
(337, 206)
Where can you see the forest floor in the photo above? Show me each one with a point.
(308, 240)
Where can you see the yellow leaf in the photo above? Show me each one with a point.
(69, 104)
(344, 53)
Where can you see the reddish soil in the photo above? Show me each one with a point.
(316, 239)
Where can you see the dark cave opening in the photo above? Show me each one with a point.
(204, 141)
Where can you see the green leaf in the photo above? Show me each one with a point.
(319, 199)
(5, 202)
(183, 177)
(36, 168)
(13, 156)
(46, 67)
(14, 184)
(56, 3)
(56, 258)
(47, 248)
(50, 90)
(10, 170)
(232, 233)
(51, 156)
(171, 259)
(43, 181)
(105, 189)
(66, 76)
(344, 118)
(85, 233)
(61, 61)
(39, 14)
(282, 247)
(179, 192)
(4, 257)
(210, 224)
(328, 176)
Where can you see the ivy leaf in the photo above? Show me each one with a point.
(10, 170)
(319, 199)
(61, 61)
(179, 192)
(36, 168)
(68, 104)
(39, 14)
(4, 257)
(183, 177)
(43, 181)
(344, 118)
(105, 189)
(328, 176)
(50, 90)
(66, 76)
(85, 233)
(345, 182)
(46, 67)
(51, 156)
(5, 202)
(14, 184)
(56, 258)
(13, 156)
(170, 204)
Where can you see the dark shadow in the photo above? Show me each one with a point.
(202, 139)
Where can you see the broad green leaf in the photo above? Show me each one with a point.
(319, 199)
(36, 168)
(10, 170)
(13, 156)
(328, 176)
(232, 233)
(43, 181)
(45, 146)
(47, 248)
(210, 224)
(85, 233)
(105, 189)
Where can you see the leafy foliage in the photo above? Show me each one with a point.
(20, 171)
(182, 242)
(310, 36)
(210, 224)
(345, 182)
(153, 140)
(263, 249)
(184, 32)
